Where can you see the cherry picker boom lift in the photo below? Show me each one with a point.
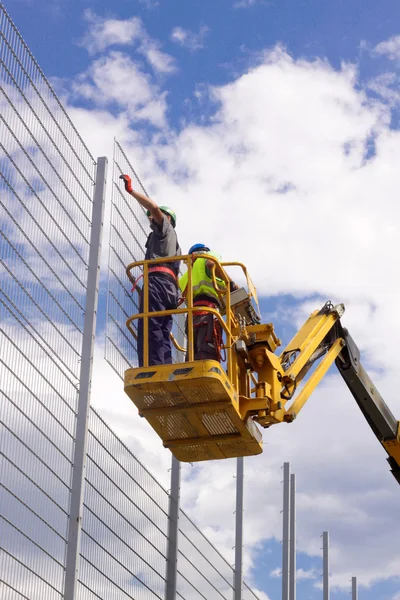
(204, 410)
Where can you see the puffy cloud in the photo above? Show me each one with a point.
(116, 80)
(189, 39)
(301, 574)
(386, 86)
(103, 33)
(160, 61)
(302, 158)
(389, 48)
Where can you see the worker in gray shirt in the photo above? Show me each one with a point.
(163, 282)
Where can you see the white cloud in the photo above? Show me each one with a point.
(386, 85)
(160, 61)
(389, 48)
(301, 574)
(117, 80)
(189, 39)
(281, 179)
(276, 573)
(103, 33)
(260, 594)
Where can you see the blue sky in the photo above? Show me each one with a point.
(337, 31)
(310, 121)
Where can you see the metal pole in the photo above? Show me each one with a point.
(180, 337)
(325, 554)
(354, 590)
(238, 583)
(285, 537)
(85, 382)
(173, 529)
(292, 539)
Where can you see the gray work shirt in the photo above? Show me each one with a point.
(161, 242)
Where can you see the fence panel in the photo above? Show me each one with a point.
(124, 534)
(202, 571)
(46, 183)
(128, 234)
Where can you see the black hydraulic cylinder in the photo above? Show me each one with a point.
(372, 405)
(375, 410)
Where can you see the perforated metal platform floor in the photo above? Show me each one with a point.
(194, 409)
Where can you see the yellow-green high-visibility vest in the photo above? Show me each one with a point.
(201, 282)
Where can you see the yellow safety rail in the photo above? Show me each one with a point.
(227, 325)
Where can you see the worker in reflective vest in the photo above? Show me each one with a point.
(163, 278)
(207, 331)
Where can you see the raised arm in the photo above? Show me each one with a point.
(143, 200)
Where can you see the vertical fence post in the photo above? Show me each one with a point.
(285, 537)
(292, 539)
(354, 590)
(180, 337)
(238, 582)
(173, 528)
(85, 381)
(325, 555)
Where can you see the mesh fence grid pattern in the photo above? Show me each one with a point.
(128, 235)
(46, 184)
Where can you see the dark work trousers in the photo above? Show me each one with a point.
(163, 295)
(207, 333)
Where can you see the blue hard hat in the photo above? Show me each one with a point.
(198, 248)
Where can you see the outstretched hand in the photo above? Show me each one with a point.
(127, 182)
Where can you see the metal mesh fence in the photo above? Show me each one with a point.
(202, 571)
(125, 522)
(125, 526)
(128, 234)
(46, 181)
(247, 593)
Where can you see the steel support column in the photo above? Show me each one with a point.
(285, 536)
(292, 539)
(354, 589)
(238, 581)
(173, 529)
(325, 555)
(85, 382)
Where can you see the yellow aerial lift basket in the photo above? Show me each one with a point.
(194, 409)
(193, 406)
